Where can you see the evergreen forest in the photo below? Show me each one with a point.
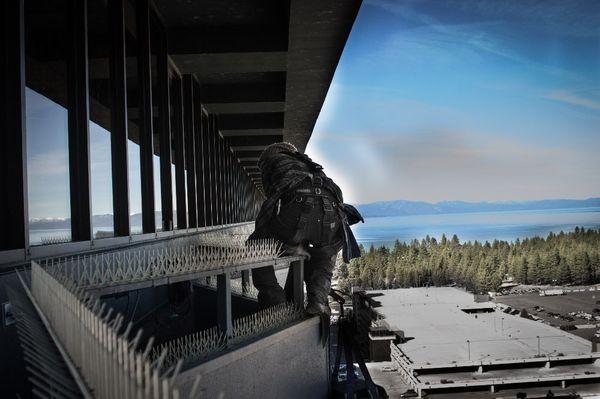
(561, 259)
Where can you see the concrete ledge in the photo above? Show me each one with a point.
(290, 363)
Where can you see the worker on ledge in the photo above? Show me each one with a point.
(304, 210)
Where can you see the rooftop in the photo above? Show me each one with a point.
(445, 334)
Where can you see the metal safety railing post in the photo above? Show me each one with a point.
(224, 320)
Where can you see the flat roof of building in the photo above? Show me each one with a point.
(444, 334)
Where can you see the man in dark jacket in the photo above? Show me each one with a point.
(304, 210)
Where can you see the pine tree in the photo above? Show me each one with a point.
(565, 272)
(523, 271)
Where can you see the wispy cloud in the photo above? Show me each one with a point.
(574, 99)
(454, 31)
(575, 18)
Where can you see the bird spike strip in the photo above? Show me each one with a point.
(97, 343)
(197, 346)
(236, 287)
(222, 239)
(49, 375)
(55, 239)
(265, 320)
(140, 264)
(191, 347)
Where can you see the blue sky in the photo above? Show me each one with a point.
(466, 100)
(432, 100)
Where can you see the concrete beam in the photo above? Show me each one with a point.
(228, 63)
(243, 93)
(236, 141)
(317, 34)
(250, 149)
(199, 41)
(245, 107)
(272, 120)
(251, 132)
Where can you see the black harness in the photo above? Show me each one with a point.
(319, 220)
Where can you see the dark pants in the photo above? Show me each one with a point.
(305, 227)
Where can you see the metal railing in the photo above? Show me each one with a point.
(105, 354)
(104, 351)
(141, 264)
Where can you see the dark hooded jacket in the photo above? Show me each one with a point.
(283, 173)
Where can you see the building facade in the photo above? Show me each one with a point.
(174, 100)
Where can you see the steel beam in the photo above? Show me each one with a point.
(13, 147)
(219, 171)
(207, 169)
(118, 142)
(178, 142)
(230, 186)
(199, 152)
(78, 115)
(164, 113)
(215, 170)
(224, 150)
(145, 119)
(213, 165)
(190, 156)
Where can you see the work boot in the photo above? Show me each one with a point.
(270, 292)
(317, 308)
(317, 274)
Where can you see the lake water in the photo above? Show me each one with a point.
(482, 226)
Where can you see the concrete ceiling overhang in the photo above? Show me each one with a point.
(317, 35)
(264, 66)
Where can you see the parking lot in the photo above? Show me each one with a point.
(554, 310)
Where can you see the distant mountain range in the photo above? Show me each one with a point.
(375, 209)
(105, 220)
(405, 208)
